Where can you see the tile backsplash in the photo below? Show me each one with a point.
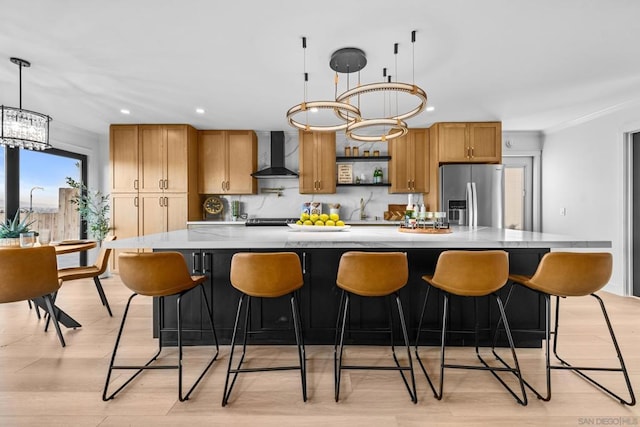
(279, 197)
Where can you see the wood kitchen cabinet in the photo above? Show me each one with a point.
(476, 142)
(409, 164)
(154, 171)
(227, 158)
(317, 162)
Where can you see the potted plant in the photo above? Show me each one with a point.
(93, 207)
(10, 230)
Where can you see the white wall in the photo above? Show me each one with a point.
(80, 141)
(582, 172)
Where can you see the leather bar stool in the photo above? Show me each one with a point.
(159, 274)
(570, 274)
(371, 274)
(265, 275)
(470, 274)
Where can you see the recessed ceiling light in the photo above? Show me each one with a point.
(430, 108)
(200, 110)
(125, 111)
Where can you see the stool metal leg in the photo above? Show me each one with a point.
(228, 387)
(337, 354)
(139, 368)
(424, 369)
(297, 325)
(576, 369)
(339, 349)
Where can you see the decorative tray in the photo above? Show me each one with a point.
(428, 230)
(72, 242)
(317, 228)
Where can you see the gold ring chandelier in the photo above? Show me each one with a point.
(349, 60)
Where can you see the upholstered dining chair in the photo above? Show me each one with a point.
(29, 274)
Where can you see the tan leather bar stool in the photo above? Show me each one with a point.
(570, 274)
(470, 274)
(158, 274)
(265, 275)
(371, 274)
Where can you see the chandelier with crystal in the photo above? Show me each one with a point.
(350, 119)
(23, 128)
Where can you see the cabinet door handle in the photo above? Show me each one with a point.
(135, 184)
(166, 201)
(222, 185)
(471, 152)
(135, 201)
(304, 263)
(160, 184)
(228, 186)
(196, 265)
(166, 184)
(207, 262)
(160, 200)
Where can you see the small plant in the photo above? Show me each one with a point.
(12, 228)
(93, 207)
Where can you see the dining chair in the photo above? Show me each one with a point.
(93, 271)
(30, 274)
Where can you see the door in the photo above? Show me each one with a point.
(518, 185)
(123, 159)
(151, 159)
(488, 181)
(241, 163)
(213, 165)
(177, 159)
(635, 147)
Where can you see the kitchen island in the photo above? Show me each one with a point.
(208, 250)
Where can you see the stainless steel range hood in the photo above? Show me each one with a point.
(277, 169)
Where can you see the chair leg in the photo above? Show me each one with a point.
(516, 369)
(297, 326)
(412, 388)
(229, 386)
(578, 370)
(103, 297)
(338, 350)
(139, 369)
(424, 369)
(52, 315)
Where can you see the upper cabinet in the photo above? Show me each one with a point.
(152, 158)
(317, 162)
(409, 165)
(123, 158)
(227, 160)
(479, 142)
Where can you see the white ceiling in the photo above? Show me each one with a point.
(534, 65)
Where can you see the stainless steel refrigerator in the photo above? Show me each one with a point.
(473, 194)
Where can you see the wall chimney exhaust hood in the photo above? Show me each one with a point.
(277, 169)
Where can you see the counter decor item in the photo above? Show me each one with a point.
(11, 229)
(425, 223)
(345, 173)
(319, 222)
(212, 207)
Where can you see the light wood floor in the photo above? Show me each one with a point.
(44, 384)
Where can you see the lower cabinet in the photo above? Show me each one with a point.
(320, 297)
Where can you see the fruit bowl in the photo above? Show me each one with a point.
(318, 228)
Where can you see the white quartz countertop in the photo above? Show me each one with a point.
(235, 237)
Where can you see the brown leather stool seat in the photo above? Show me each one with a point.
(265, 275)
(159, 274)
(30, 273)
(372, 274)
(570, 274)
(470, 274)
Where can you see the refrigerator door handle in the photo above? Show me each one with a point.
(474, 204)
(469, 200)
